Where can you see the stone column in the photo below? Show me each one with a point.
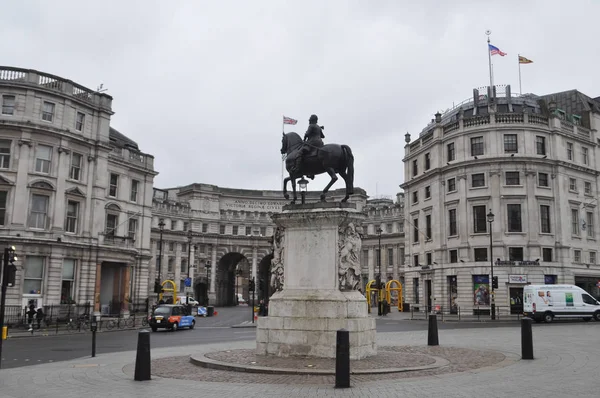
(125, 287)
(97, 289)
(213, 274)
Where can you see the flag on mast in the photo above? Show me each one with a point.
(523, 60)
(289, 120)
(495, 50)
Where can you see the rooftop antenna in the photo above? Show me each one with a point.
(101, 88)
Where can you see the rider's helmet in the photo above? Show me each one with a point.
(313, 119)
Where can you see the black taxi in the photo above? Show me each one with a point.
(171, 317)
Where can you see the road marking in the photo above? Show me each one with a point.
(27, 360)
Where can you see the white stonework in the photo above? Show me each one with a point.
(305, 316)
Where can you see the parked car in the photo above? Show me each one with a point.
(171, 317)
(546, 302)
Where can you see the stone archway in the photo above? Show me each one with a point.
(263, 282)
(229, 281)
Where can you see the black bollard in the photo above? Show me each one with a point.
(342, 359)
(142, 358)
(526, 339)
(432, 334)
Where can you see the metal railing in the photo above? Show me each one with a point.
(474, 313)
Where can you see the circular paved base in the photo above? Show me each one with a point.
(394, 362)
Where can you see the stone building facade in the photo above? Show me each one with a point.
(530, 161)
(232, 233)
(75, 195)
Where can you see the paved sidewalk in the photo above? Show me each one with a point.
(566, 364)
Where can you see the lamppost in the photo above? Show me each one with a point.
(161, 227)
(490, 220)
(238, 273)
(189, 263)
(379, 293)
(303, 186)
(207, 265)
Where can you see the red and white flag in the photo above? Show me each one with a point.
(289, 120)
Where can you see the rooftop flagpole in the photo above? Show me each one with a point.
(488, 33)
(519, 62)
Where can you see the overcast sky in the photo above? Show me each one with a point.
(203, 85)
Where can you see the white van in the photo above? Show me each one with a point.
(191, 300)
(546, 302)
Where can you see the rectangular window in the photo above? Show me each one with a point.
(401, 255)
(479, 220)
(543, 179)
(67, 288)
(584, 155)
(427, 161)
(416, 230)
(390, 256)
(48, 111)
(186, 226)
(184, 247)
(512, 178)
(248, 231)
(5, 154)
(79, 121)
(427, 192)
(183, 266)
(478, 180)
(569, 151)
(235, 229)
(389, 228)
(72, 216)
(34, 275)
(575, 221)
(481, 254)
(132, 228)
(39, 211)
(416, 260)
(453, 230)
(540, 145)
(204, 228)
(587, 187)
(263, 231)
(114, 185)
(476, 146)
(593, 258)
(572, 184)
(112, 220)
(514, 218)
(576, 256)
(510, 143)
(451, 184)
(3, 200)
(43, 157)
(76, 163)
(416, 285)
(171, 246)
(415, 168)
(135, 185)
(8, 104)
(590, 224)
(451, 152)
(222, 229)
(170, 264)
(401, 227)
(547, 255)
(515, 254)
(429, 258)
(453, 256)
(545, 218)
(428, 226)
(415, 197)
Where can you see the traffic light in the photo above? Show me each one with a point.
(157, 287)
(495, 282)
(251, 286)
(11, 268)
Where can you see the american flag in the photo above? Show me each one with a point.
(495, 50)
(289, 120)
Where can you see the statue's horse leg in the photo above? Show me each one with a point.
(348, 193)
(334, 178)
(294, 190)
(285, 182)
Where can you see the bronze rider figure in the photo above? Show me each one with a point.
(313, 138)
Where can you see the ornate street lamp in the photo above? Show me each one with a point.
(379, 284)
(303, 186)
(490, 220)
(161, 227)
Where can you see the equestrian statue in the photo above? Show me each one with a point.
(310, 157)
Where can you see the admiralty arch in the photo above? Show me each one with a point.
(221, 238)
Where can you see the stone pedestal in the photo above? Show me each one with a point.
(319, 294)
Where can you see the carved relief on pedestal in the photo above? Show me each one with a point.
(350, 243)
(277, 261)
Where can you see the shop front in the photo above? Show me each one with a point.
(590, 284)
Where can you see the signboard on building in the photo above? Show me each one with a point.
(516, 263)
(251, 205)
(517, 279)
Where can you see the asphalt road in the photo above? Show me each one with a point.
(27, 351)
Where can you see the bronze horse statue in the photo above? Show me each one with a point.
(331, 159)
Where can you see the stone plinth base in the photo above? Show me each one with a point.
(305, 322)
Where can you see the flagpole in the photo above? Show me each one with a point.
(519, 62)
(488, 33)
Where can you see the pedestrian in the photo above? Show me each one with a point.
(30, 314)
(39, 316)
